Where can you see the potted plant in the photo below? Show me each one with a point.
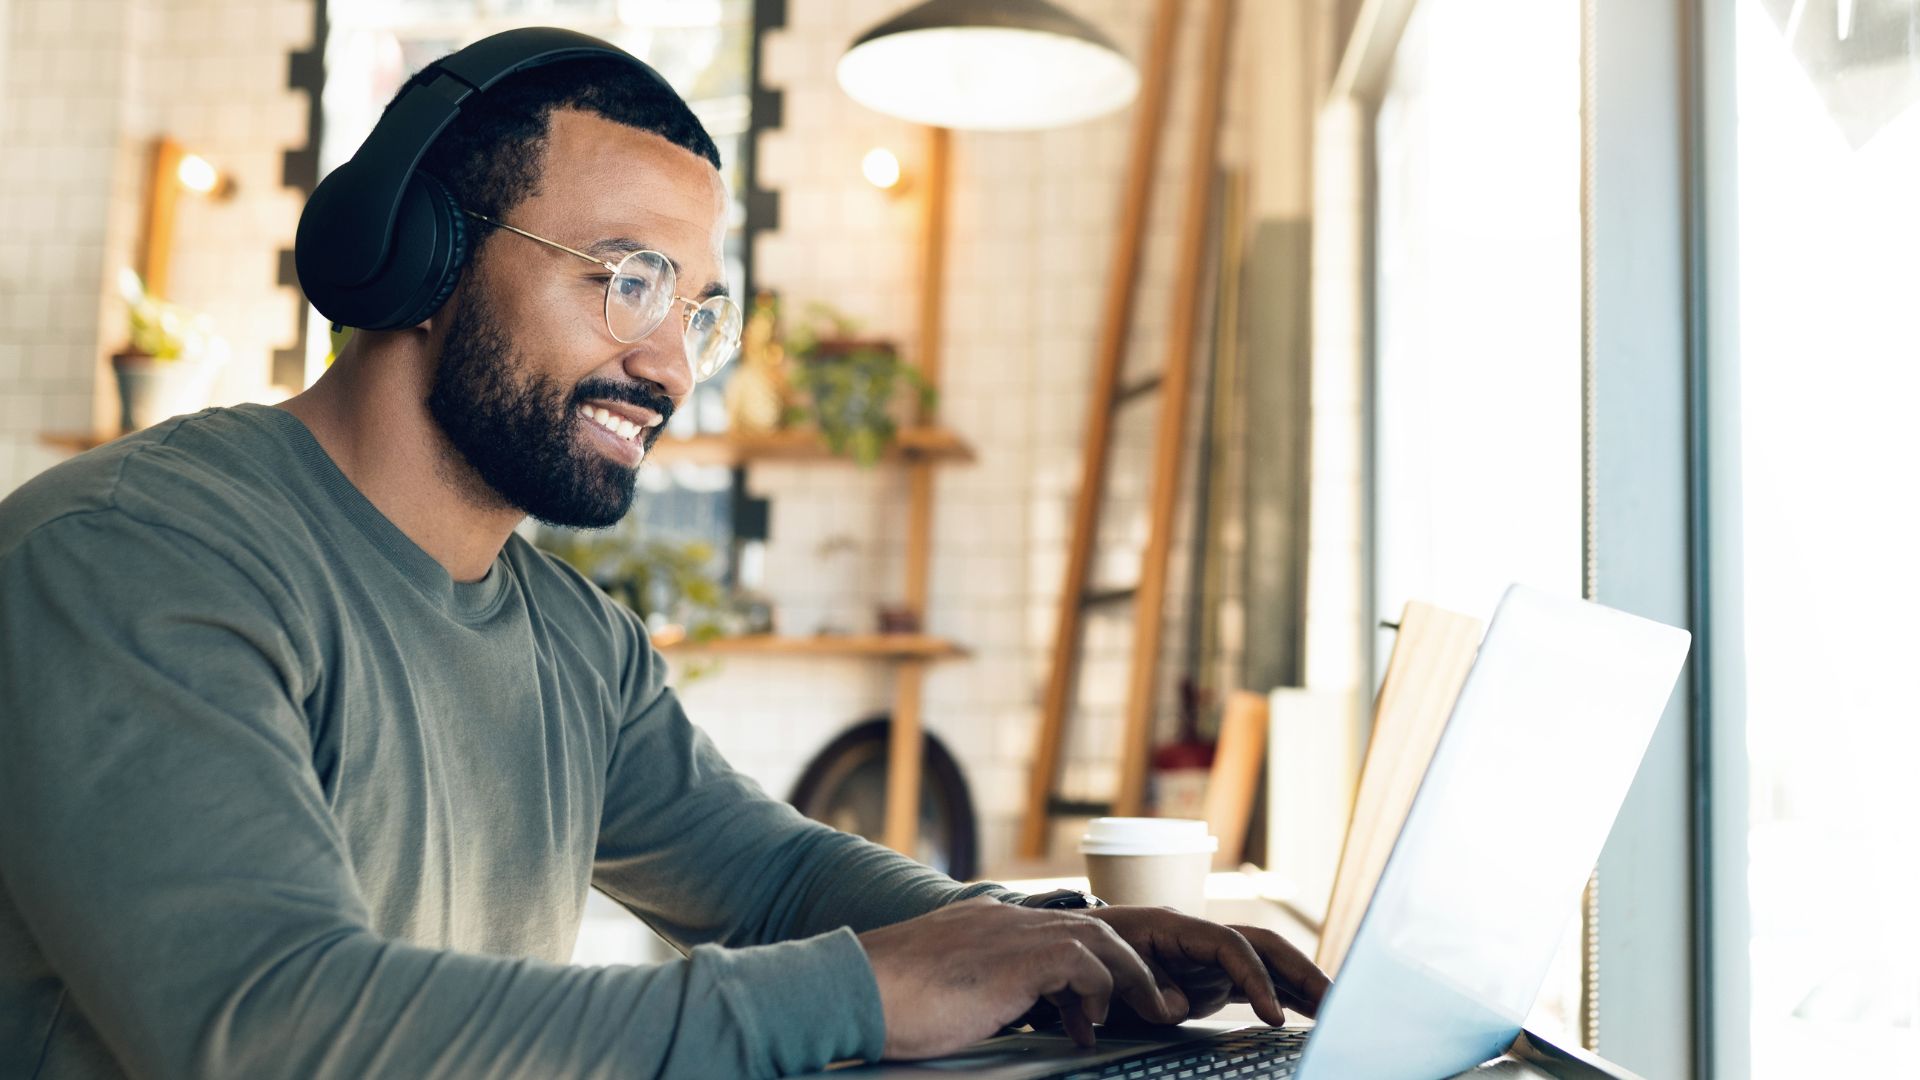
(168, 365)
(852, 389)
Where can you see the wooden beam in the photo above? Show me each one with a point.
(933, 254)
(905, 748)
(1170, 445)
(1123, 275)
(163, 199)
(906, 740)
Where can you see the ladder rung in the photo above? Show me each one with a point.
(1137, 388)
(1097, 597)
(1059, 807)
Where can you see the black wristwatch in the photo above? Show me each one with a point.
(1063, 900)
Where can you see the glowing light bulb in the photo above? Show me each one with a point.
(881, 168)
(198, 174)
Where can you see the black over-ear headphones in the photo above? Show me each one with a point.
(380, 244)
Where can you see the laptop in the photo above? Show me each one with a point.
(1536, 758)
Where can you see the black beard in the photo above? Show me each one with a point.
(519, 432)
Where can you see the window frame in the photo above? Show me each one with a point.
(1653, 960)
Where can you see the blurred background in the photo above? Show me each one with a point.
(1346, 303)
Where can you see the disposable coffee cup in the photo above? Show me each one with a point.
(1157, 862)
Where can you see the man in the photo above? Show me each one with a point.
(307, 761)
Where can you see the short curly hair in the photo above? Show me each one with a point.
(489, 156)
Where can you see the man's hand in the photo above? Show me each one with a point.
(961, 973)
(1201, 966)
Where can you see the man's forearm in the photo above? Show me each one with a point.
(838, 879)
(355, 1006)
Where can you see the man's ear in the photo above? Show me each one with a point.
(442, 317)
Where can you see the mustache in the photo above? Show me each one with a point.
(645, 395)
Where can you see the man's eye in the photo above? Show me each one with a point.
(632, 287)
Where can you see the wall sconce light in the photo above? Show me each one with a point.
(173, 171)
(198, 175)
(882, 170)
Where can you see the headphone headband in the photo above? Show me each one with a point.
(344, 248)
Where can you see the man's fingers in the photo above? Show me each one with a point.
(1073, 1017)
(1226, 948)
(1294, 974)
(1073, 972)
(1132, 981)
(1179, 1007)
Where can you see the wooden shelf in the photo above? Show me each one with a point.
(932, 444)
(877, 646)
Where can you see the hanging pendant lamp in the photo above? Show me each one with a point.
(988, 65)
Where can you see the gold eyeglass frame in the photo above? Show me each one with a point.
(613, 268)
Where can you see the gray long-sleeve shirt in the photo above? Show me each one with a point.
(278, 797)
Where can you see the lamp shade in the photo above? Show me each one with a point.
(988, 65)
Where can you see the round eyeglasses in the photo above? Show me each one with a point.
(640, 293)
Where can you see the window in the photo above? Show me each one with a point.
(1477, 308)
(1828, 267)
(1477, 348)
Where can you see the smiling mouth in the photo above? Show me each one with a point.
(619, 426)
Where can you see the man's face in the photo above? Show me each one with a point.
(527, 365)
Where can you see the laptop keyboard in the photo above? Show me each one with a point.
(1237, 1055)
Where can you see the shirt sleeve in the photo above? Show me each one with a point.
(170, 852)
(703, 854)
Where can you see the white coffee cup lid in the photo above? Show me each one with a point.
(1146, 836)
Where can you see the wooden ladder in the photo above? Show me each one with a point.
(1172, 388)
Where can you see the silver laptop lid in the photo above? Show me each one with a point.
(1523, 788)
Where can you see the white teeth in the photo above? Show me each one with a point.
(620, 426)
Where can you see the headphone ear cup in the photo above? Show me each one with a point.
(432, 219)
(424, 255)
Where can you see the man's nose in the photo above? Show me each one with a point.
(661, 358)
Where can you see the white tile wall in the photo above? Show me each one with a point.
(61, 77)
(85, 85)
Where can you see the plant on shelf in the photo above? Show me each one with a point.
(852, 389)
(162, 330)
(170, 358)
